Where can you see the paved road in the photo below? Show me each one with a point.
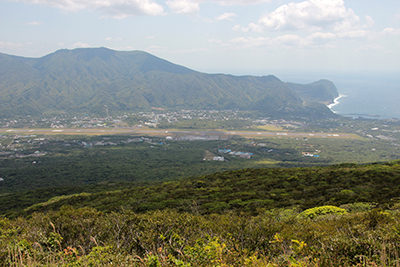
(171, 132)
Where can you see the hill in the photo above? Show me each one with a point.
(247, 190)
(323, 91)
(251, 217)
(101, 81)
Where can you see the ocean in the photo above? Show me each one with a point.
(368, 95)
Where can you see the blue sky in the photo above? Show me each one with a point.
(228, 36)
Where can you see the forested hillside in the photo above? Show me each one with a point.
(249, 190)
(238, 218)
(102, 82)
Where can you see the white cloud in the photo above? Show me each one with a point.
(150, 37)
(320, 23)
(371, 47)
(154, 49)
(391, 31)
(34, 23)
(246, 43)
(80, 45)
(326, 40)
(322, 36)
(252, 26)
(217, 41)
(314, 40)
(240, 28)
(353, 34)
(113, 39)
(290, 40)
(312, 15)
(113, 8)
(11, 45)
(183, 6)
(193, 6)
(121, 48)
(370, 22)
(226, 16)
(239, 2)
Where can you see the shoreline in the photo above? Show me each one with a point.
(335, 102)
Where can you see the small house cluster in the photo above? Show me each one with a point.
(307, 154)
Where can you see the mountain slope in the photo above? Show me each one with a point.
(321, 91)
(85, 80)
(247, 190)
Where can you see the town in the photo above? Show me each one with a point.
(29, 136)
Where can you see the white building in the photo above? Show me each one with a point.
(218, 158)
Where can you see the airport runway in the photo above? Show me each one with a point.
(166, 132)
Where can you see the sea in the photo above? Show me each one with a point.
(374, 95)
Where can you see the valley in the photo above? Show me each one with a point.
(62, 160)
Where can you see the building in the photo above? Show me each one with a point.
(218, 158)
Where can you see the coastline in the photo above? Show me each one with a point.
(335, 102)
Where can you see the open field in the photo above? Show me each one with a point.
(270, 128)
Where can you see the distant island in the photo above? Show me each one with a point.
(101, 82)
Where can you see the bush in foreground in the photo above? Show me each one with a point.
(87, 237)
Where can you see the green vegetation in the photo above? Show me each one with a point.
(103, 82)
(128, 200)
(320, 91)
(248, 190)
(339, 215)
(67, 165)
(279, 237)
(205, 124)
(324, 210)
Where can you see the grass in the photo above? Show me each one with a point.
(209, 155)
(269, 127)
(266, 162)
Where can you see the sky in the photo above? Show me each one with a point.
(255, 37)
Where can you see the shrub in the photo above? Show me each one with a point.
(323, 210)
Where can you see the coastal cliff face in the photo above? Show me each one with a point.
(322, 91)
(86, 80)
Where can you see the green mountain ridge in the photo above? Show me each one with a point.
(320, 91)
(88, 79)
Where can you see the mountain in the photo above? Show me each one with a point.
(323, 91)
(89, 80)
